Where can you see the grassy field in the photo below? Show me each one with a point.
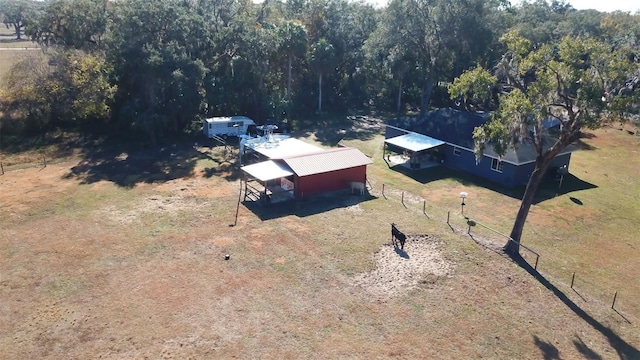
(120, 254)
(587, 225)
(12, 50)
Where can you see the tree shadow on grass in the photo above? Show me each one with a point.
(582, 145)
(625, 350)
(584, 349)
(549, 351)
(129, 165)
(331, 130)
(11, 39)
(53, 145)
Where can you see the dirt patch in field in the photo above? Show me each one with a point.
(27, 188)
(398, 271)
(354, 209)
(198, 186)
(167, 205)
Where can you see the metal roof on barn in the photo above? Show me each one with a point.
(280, 146)
(327, 161)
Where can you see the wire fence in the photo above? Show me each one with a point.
(588, 290)
(39, 162)
(459, 222)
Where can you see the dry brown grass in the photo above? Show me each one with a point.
(95, 270)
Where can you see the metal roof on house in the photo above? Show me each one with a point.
(414, 142)
(449, 125)
(525, 153)
(326, 161)
(279, 146)
(456, 127)
(267, 170)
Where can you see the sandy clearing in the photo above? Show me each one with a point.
(399, 271)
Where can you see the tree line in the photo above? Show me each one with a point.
(153, 67)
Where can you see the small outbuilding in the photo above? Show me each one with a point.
(326, 171)
(292, 169)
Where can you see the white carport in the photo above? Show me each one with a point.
(414, 142)
(416, 146)
(267, 170)
(272, 176)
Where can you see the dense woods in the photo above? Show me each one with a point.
(154, 67)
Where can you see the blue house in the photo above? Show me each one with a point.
(445, 136)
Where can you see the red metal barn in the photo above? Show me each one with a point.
(327, 171)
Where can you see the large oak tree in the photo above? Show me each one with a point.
(16, 14)
(581, 83)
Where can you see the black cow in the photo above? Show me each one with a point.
(397, 236)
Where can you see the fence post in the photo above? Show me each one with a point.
(403, 198)
(44, 160)
(383, 191)
(573, 277)
(448, 214)
(535, 267)
(424, 207)
(2, 168)
(614, 300)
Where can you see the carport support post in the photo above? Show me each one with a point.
(235, 222)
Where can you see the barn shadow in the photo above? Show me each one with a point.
(307, 207)
(128, 167)
(624, 349)
(548, 189)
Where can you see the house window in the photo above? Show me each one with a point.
(496, 165)
(456, 151)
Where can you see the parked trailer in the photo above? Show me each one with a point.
(226, 126)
